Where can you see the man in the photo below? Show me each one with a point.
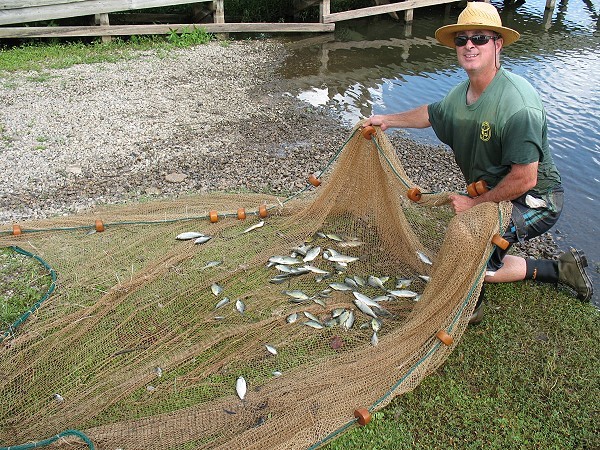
(496, 126)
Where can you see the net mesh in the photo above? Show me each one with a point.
(132, 350)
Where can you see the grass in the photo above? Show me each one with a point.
(527, 377)
(23, 281)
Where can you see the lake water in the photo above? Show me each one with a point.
(378, 65)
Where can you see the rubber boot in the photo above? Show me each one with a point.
(477, 315)
(571, 271)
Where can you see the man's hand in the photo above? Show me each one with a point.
(377, 121)
(461, 203)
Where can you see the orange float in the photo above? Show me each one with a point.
(414, 194)
(363, 416)
(368, 131)
(443, 336)
(17, 230)
(477, 188)
(312, 179)
(99, 226)
(241, 214)
(500, 241)
(213, 216)
(262, 211)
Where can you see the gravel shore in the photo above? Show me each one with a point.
(212, 117)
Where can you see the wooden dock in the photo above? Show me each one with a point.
(15, 15)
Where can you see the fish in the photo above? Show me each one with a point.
(347, 319)
(375, 324)
(282, 278)
(216, 289)
(334, 237)
(374, 339)
(188, 235)
(311, 316)
(404, 293)
(423, 257)
(338, 257)
(59, 398)
(277, 373)
(296, 294)
(371, 303)
(425, 278)
(381, 298)
(254, 227)
(341, 287)
(360, 281)
(312, 254)
(288, 260)
(158, 371)
(314, 324)
(375, 282)
(241, 387)
(291, 318)
(302, 249)
(364, 308)
(222, 302)
(337, 312)
(202, 239)
(319, 302)
(272, 350)
(316, 270)
(351, 282)
(240, 306)
(403, 283)
(150, 388)
(350, 243)
(211, 264)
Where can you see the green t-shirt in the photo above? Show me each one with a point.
(506, 125)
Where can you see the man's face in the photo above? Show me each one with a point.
(481, 57)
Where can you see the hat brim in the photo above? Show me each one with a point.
(445, 35)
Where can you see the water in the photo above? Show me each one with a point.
(377, 65)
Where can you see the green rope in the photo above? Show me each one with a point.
(12, 328)
(46, 442)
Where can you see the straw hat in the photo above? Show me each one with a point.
(476, 16)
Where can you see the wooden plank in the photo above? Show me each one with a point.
(219, 7)
(82, 8)
(128, 30)
(16, 4)
(375, 10)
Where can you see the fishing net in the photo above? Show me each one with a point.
(147, 341)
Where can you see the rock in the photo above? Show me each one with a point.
(175, 177)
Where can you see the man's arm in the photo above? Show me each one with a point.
(520, 179)
(415, 118)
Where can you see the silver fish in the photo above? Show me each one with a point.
(296, 294)
(312, 254)
(404, 293)
(272, 350)
(360, 281)
(302, 249)
(280, 279)
(350, 243)
(202, 239)
(338, 257)
(334, 237)
(341, 287)
(241, 388)
(350, 282)
(158, 371)
(288, 260)
(188, 235)
(211, 264)
(254, 227)
(216, 289)
(319, 302)
(376, 325)
(403, 283)
(371, 304)
(364, 308)
(423, 257)
(311, 316)
(291, 318)
(59, 398)
(150, 388)
(381, 298)
(240, 306)
(347, 319)
(222, 302)
(375, 282)
(425, 278)
(337, 312)
(316, 270)
(313, 324)
(374, 339)
(277, 373)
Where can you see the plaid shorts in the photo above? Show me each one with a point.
(527, 222)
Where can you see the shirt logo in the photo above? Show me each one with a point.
(486, 132)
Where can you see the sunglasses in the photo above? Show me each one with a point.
(477, 39)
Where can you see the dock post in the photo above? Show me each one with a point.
(102, 20)
(324, 9)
